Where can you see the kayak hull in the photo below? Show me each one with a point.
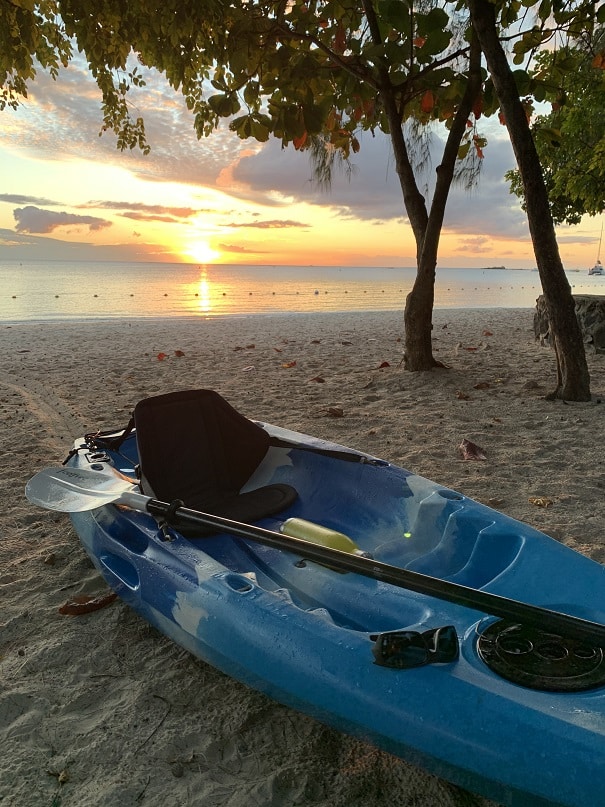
(300, 632)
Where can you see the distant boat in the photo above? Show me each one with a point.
(597, 269)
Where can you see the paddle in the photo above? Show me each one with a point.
(74, 490)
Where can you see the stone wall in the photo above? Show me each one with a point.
(590, 310)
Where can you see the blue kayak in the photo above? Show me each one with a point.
(512, 711)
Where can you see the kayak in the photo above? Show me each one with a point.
(375, 600)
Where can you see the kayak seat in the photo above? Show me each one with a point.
(196, 447)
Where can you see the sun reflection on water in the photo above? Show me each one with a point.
(201, 296)
(204, 301)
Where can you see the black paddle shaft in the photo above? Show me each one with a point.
(531, 615)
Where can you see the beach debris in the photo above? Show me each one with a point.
(161, 356)
(278, 350)
(288, 364)
(531, 384)
(471, 451)
(540, 501)
(177, 770)
(462, 396)
(84, 604)
(346, 342)
(248, 369)
(318, 380)
(61, 776)
(471, 348)
(244, 347)
(487, 333)
(383, 364)
(316, 341)
(335, 412)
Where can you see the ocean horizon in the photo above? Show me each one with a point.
(63, 290)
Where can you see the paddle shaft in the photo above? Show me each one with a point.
(531, 615)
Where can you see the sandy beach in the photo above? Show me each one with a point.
(101, 709)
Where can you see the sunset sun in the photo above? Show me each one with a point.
(202, 252)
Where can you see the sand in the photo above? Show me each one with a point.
(101, 709)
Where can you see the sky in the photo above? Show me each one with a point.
(67, 193)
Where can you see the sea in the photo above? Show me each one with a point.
(54, 290)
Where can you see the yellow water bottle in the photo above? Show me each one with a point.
(318, 534)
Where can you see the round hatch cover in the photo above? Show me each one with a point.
(540, 660)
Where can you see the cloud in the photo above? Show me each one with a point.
(63, 120)
(372, 187)
(153, 217)
(373, 193)
(33, 219)
(273, 224)
(239, 250)
(477, 245)
(16, 199)
(150, 210)
(17, 247)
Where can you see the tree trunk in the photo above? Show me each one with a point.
(418, 316)
(573, 380)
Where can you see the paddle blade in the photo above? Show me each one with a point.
(73, 490)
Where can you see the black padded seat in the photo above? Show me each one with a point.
(196, 447)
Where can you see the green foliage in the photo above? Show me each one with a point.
(317, 71)
(292, 70)
(29, 33)
(571, 139)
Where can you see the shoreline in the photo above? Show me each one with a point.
(131, 717)
(197, 317)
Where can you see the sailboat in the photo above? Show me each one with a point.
(597, 269)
